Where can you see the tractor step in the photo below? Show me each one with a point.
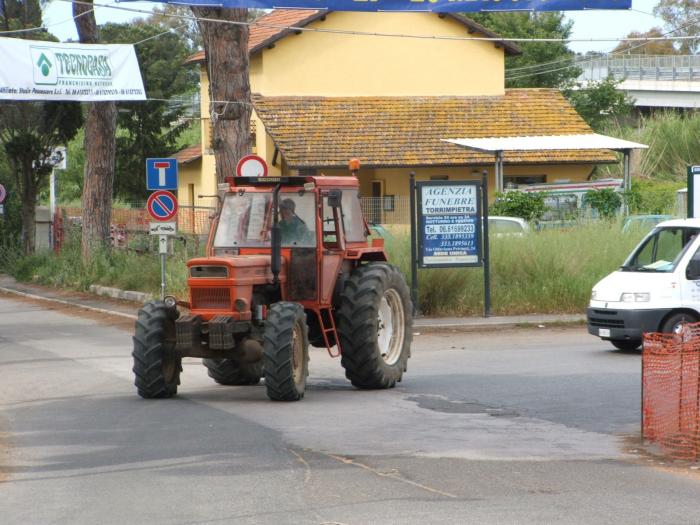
(329, 332)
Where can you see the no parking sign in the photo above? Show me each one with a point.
(162, 205)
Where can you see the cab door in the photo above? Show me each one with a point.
(333, 244)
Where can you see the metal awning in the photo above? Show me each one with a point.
(547, 142)
(497, 145)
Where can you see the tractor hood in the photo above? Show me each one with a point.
(242, 269)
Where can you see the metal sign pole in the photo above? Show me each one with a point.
(163, 250)
(485, 215)
(414, 250)
(52, 208)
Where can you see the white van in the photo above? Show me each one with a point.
(655, 290)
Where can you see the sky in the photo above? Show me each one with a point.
(587, 24)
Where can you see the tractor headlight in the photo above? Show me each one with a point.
(594, 295)
(635, 297)
(170, 301)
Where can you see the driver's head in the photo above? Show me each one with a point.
(287, 207)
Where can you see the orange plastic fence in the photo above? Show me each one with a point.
(671, 392)
(192, 220)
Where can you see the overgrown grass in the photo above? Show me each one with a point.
(544, 272)
(672, 140)
(123, 269)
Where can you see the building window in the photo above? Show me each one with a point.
(514, 181)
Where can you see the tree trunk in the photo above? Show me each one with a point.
(100, 148)
(226, 48)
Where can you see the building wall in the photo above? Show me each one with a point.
(327, 64)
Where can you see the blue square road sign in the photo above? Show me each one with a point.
(161, 174)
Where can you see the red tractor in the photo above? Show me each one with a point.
(288, 264)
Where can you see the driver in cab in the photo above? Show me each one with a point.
(292, 229)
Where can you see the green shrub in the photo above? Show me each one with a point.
(528, 206)
(647, 196)
(606, 202)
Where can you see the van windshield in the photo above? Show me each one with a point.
(661, 250)
(246, 220)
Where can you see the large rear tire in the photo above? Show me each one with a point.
(229, 372)
(156, 369)
(375, 326)
(285, 352)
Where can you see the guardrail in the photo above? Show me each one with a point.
(642, 67)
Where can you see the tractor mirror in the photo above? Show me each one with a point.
(334, 197)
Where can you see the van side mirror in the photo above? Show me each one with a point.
(334, 198)
(692, 271)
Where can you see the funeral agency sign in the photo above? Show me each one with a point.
(34, 70)
(449, 223)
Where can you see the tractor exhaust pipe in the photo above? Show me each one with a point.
(276, 238)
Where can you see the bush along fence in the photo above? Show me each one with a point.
(671, 392)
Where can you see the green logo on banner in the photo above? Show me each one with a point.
(44, 65)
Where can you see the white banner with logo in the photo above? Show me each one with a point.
(34, 70)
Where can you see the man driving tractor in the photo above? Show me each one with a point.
(292, 228)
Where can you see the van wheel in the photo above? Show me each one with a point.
(626, 345)
(674, 324)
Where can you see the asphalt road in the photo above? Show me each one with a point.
(521, 426)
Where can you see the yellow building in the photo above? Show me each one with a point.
(323, 97)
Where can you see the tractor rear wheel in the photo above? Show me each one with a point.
(229, 372)
(285, 352)
(375, 326)
(156, 369)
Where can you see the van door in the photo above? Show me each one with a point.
(689, 277)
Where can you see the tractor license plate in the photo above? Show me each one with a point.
(604, 332)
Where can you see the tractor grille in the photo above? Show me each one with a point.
(211, 298)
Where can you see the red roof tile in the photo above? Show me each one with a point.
(188, 154)
(324, 132)
(271, 27)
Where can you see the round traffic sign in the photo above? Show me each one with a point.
(3, 193)
(251, 166)
(162, 205)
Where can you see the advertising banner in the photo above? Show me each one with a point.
(449, 223)
(438, 6)
(35, 70)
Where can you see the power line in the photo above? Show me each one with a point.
(44, 27)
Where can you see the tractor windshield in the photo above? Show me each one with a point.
(246, 220)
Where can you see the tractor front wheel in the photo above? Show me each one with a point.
(229, 372)
(285, 352)
(375, 326)
(156, 369)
